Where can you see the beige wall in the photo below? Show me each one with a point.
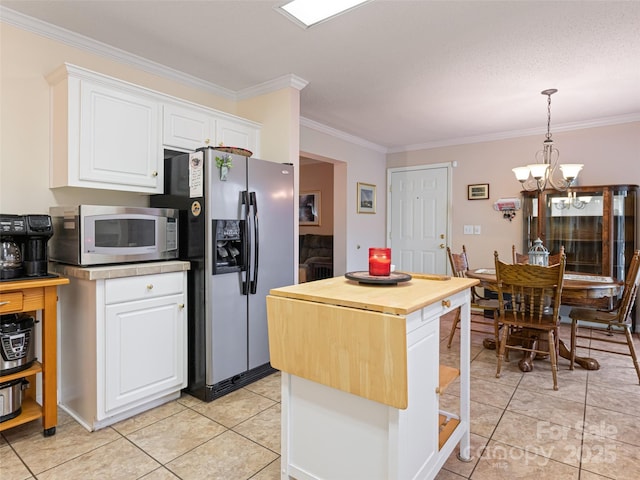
(318, 177)
(353, 233)
(24, 122)
(610, 155)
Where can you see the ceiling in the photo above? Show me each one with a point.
(400, 74)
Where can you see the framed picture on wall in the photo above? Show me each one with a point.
(366, 198)
(479, 191)
(309, 208)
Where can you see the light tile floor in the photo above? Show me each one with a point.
(520, 428)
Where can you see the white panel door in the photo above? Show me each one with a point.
(418, 219)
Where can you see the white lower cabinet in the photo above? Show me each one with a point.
(123, 346)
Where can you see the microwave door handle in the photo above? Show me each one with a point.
(246, 244)
(256, 242)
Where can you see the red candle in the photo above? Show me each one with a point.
(379, 262)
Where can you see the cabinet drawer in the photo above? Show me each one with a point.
(435, 310)
(11, 302)
(118, 290)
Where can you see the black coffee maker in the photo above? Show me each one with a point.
(23, 245)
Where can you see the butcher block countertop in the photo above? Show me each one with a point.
(400, 299)
(352, 336)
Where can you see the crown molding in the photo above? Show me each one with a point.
(600, 122)
(306, 122)
(85, 43)
(269, 86)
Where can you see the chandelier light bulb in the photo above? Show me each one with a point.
(570, 170)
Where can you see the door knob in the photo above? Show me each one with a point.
(442, 245)
(154, 174)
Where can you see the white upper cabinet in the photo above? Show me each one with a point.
(106, 133)
(233, 133)
(111, 134)
(189, 127)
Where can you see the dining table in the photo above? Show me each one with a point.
(578, 289)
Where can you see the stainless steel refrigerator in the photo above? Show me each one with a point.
(236, 228)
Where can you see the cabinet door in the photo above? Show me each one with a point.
(579, 223)
(419, 423)
(119, 139)
(145, 349)
(186, 128)
(237, 134)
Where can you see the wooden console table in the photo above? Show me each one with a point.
(361, 377)
(28, 296)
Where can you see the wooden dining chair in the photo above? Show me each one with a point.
(524, 258)
(459, 265)
(603, 326)
(529, 300)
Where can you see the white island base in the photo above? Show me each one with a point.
(329, 433)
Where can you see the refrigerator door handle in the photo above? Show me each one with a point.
(246, 244)
(256, 242)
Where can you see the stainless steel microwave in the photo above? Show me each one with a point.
(98, 234)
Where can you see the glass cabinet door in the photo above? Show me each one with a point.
(624, 228)
(575, 220)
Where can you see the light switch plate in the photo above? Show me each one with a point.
(477, 229)
(468, 230)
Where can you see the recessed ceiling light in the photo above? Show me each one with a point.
(310, 12)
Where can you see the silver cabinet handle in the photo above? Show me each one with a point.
(5, 303)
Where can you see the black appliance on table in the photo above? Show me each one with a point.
(23, 246)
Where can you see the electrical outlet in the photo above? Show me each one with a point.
(468, 230)
(477, 229)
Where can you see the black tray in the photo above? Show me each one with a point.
(364, 277)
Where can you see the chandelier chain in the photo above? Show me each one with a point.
(548, 116)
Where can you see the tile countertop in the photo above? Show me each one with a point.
(118, 271)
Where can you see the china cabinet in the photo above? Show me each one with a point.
(596, 225)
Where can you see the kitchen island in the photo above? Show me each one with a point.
(361, 377)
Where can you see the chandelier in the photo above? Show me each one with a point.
(546, 172)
